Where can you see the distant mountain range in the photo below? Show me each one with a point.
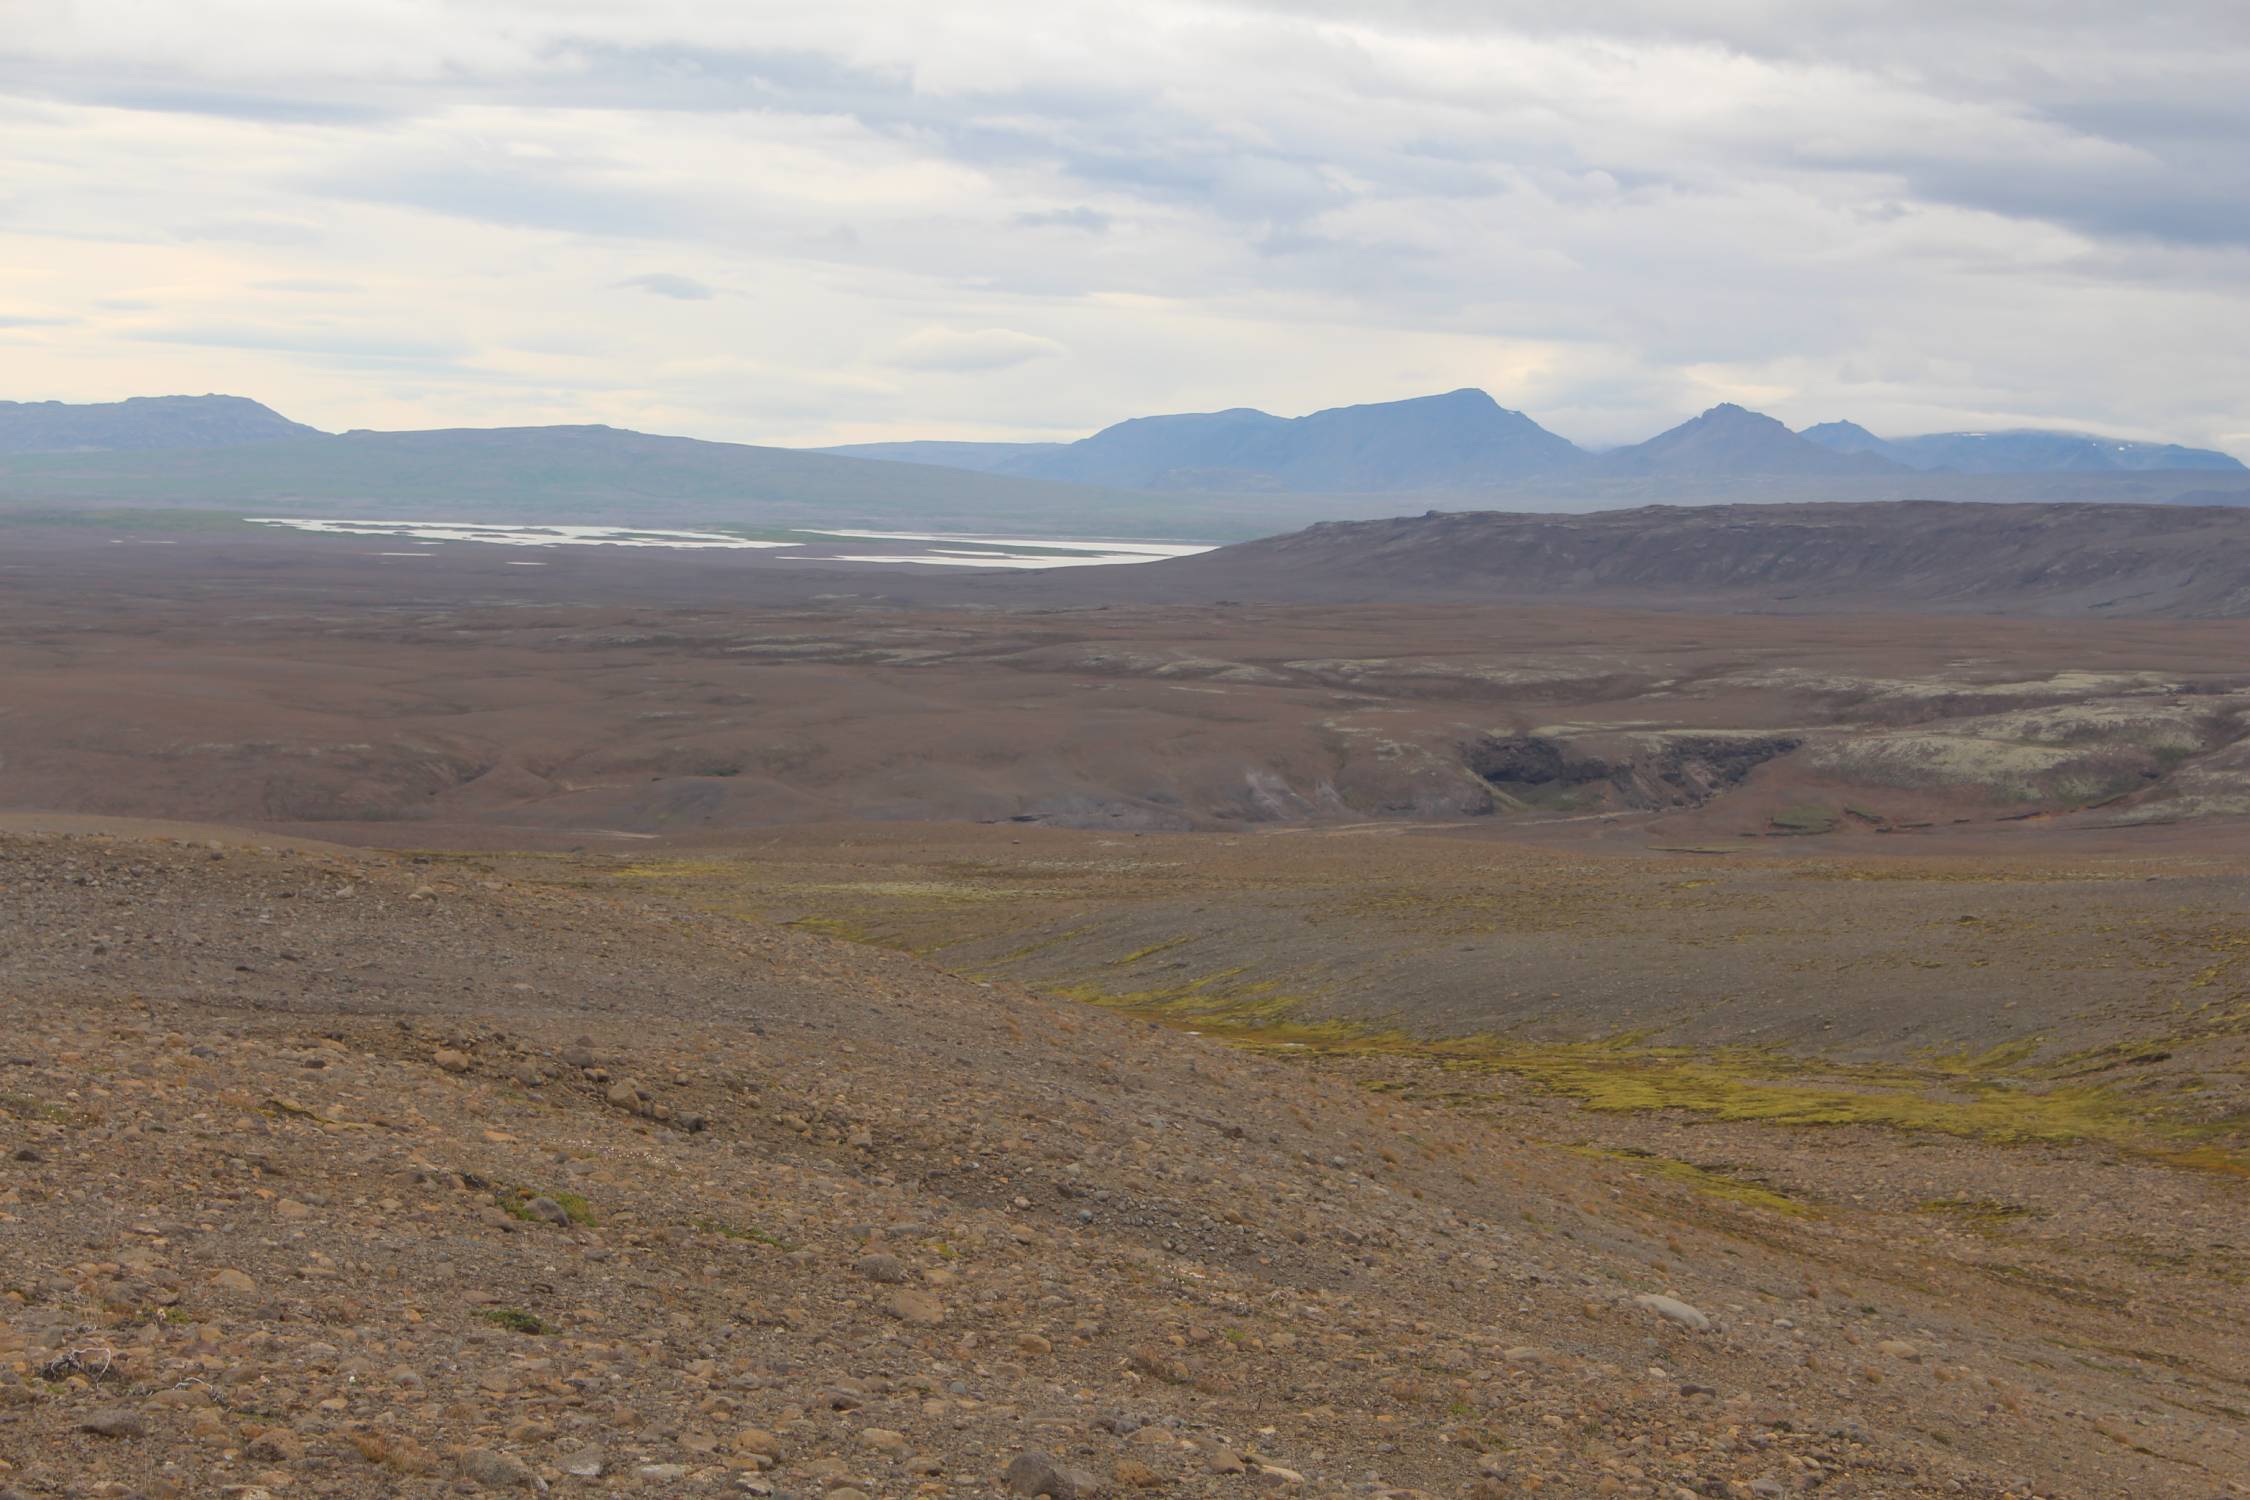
(1728, 441)
(224, 453)
(1210, 476)
(2020, 451)
(1429, 443)
(1464, 440)
(140, 423)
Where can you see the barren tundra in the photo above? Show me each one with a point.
(674, 1025)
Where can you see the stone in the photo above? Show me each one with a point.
(451, 1059)
(918, 1308)
(583, 1463)
(114, 1422)
(1673, 1310)
(276, 1445)
(231, 1280)
(881, 1267)
(1900, 1349)
(1133, 1474)
(496, 1471)
(1035, 1474)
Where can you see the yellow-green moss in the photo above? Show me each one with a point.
(1717, 1182)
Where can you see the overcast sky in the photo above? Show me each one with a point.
(858, 219)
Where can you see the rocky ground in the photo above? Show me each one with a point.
(478, 701)
(332, 1173)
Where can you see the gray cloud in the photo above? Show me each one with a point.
(971, 349)
(667, 284)
(319, 343)
(251, 230)
(1092, 221)
(1912, 212)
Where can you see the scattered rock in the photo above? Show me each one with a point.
(918, 1308)
(881, 1267)
(1673, 1310)
(114, 1422)
(583, 1463)
(1035, 1474)
(497, 1471)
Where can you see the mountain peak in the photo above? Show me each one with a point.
(142, 422)
(1732, 439)
(2018, 451)
(1459, 439)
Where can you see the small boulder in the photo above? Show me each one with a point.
(114, 1422)
(583, 1463)
(1034, 1474)
(879, 1266)
(919, 1308)
(497, 1471)
(1673, 1310)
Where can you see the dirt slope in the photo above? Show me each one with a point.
(1893, 555)
(343, 1175)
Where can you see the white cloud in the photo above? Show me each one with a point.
(1913, 213)
(971, 349)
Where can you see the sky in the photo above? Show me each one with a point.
(1025, 219)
